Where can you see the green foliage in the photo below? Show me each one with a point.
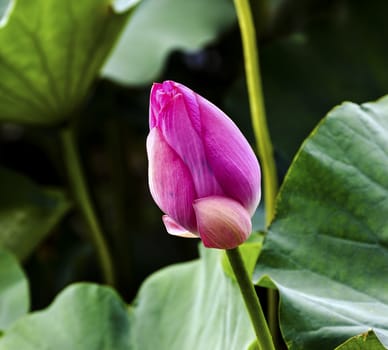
(365, 341)
(83, 316)
(27, 212)
(191, 306)
(159, 27)
(187, 306)
(326, 250)
(51, 52)
(14, 295)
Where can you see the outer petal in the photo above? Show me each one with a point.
(174, 110)
(230, 156)
(222, 222)
(170, 182)
(173, 228)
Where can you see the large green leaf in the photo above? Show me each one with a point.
(159, 26)
(27, 212)
(365, 341)
(191, 306)
(14, 295)
(327, 248)
(51, 51)
(82, 317)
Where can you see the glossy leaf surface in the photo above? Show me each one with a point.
(327, 249)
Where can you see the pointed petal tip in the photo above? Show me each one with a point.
(173, 228)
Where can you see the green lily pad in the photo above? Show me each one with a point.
(27, 212)
(83, 317)
(158, 27)
(51, 52)
(327, 248)
(188, 306)
(14, 294)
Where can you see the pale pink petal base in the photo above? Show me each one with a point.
(173, 228)
(222, 222)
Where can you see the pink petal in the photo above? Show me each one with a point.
(230, 156)
(170, 182)
(173, 228)
(174, 110)
(222, 222)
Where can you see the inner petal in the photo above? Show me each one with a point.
(176, 125)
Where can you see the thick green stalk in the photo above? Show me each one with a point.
(252, 303)
(256, 102)
(83, 199)
(260, 128)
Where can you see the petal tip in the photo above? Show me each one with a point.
(173, 228)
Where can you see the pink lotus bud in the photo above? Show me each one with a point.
(203, 173)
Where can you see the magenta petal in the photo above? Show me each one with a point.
(222, 222)
(154, 105)
(230, 156)
(170, 182)
(174, 110)
(173, 228)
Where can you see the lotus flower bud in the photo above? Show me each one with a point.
(203, 173)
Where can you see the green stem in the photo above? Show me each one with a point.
(256, 102)
(251, 300)
(260, 128)
(83, 199)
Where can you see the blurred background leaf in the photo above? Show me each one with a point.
(50, 55)
(173, 300)
(159, 27)
(326, 250)
(14, 294)
(27, 212)
(5, 10)
(82, 317)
